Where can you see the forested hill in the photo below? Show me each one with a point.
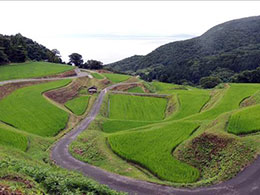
(223, 51)
(17, 48)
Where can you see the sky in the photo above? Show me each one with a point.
(112, 30)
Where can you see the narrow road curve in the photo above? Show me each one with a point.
(246, 182)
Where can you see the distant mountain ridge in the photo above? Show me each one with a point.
(223, 51)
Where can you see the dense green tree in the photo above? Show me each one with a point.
(209, 82)
(76, 59)
(94, 64)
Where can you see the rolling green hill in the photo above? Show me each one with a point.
(222, 51)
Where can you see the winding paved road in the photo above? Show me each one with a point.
(246, 182)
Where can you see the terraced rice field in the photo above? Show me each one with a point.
(11, 138)
(31, 69)
(78, 105)
(27, 110)
(97, 75)
(231, 100)
(136, 90)
(153, 148)
(116, 78)
(112, 126)
(245, 121)
(127, 107)
(190, 102)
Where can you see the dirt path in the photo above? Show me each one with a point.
(246, 182)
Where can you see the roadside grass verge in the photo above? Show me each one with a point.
(11, 138)
(152, 149)
(28, 110)
(245, 121)
(116, 78)
(31, 69)
(127, 107)
(78, 105)
(41, 178)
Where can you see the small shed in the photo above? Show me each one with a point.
(92, 89)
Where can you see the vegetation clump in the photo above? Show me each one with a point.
(216, 156)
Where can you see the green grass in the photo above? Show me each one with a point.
(231, 100)
(160, 86)
(28, 110)
(112, 126)
(31, 69)
(136, 90)
(78, 105)
(11, 138)
(97, 75)
(245, 121)
(190, 102)
(116, 78)
(152, 149)
(127, 107)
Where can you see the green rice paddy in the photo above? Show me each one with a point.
(31, 69)
(127, 107)
(27, 110)
(78, 105)
(116, 78)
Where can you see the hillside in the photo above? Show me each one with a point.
(223, 51)
(17, 48)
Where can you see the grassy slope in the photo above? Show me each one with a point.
(245, 121)
(153, 150)
(116, 78)
(78, 105)
(231, 100)
(128, 107)
(31, 176)
(31, 69)
(27, 110)
(11, 138)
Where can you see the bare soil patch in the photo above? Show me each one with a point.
(67, 93)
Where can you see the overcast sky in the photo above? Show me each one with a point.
(111, 30)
